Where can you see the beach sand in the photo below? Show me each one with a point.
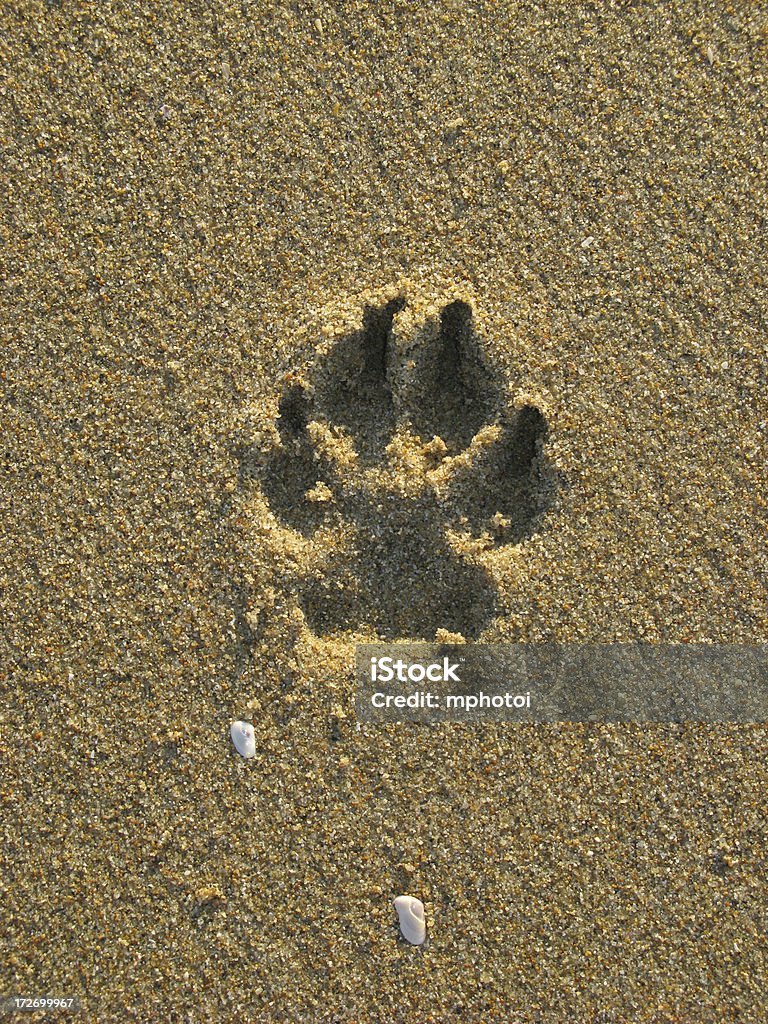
(200, 209)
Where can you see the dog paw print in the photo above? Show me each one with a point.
(399, 460)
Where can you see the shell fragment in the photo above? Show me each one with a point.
(243, 738)
(412, 922)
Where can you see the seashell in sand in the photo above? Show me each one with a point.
(412, 923)
(244, 738)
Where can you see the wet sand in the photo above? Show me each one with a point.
(200, 209)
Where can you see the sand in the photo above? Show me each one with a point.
(200, 205)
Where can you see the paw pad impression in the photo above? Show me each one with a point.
(399, 459)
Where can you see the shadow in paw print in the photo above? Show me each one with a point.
(294, 468)
(454, 392)
(354, 389)
(399, 578)
(510, 485)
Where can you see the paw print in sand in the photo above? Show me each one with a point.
(392, 457)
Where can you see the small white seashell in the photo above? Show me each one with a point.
(412, 923)
(244, 738)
